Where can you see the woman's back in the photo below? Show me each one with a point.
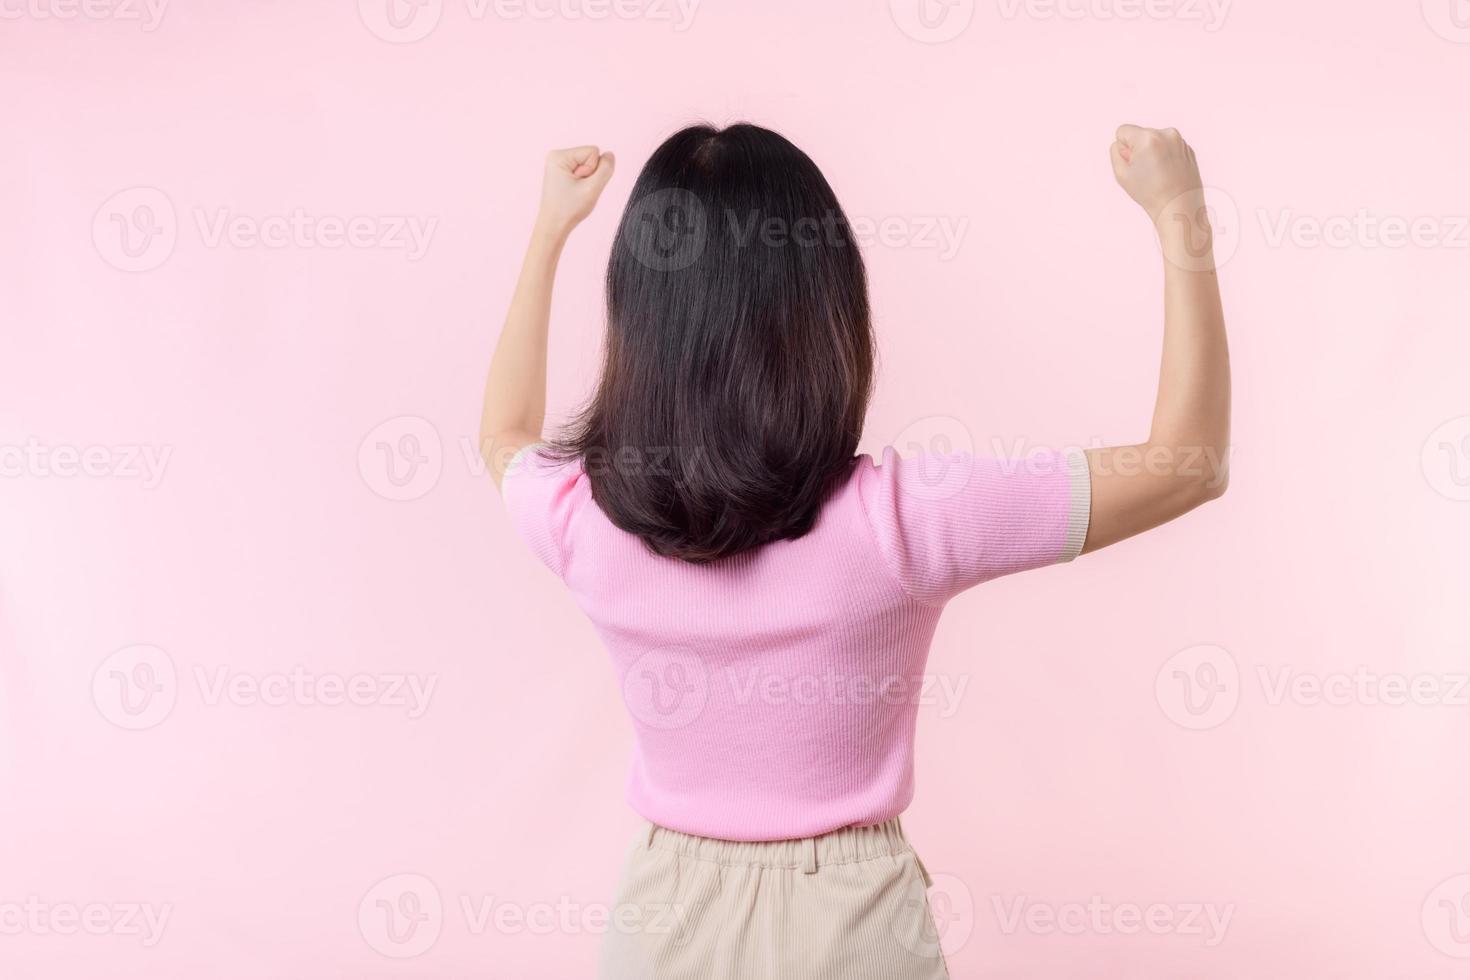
(774, 692)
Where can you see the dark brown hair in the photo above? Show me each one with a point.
(739, 354)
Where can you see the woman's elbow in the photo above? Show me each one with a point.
(1196, 475)
(1216, 488)
(1212, 479)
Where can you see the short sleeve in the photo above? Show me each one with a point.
(944, 523)
(541, 494)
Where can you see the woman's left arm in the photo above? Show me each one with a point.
(514, 408)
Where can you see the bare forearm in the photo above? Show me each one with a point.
(515, 390)
(1184, 463)
(1192, 410)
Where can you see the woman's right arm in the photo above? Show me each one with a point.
(1184, 462)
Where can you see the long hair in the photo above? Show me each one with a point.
(739, 353)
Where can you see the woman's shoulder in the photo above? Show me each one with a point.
(543, 489)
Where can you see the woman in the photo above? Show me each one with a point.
(767, 596)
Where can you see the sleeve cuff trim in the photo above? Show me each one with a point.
(1080, 505)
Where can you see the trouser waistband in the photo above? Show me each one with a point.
(844, 846)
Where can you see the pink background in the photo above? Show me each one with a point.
(1077, 763)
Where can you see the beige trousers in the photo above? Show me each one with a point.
(849, 905)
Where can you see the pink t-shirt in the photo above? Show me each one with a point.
(774, 694)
